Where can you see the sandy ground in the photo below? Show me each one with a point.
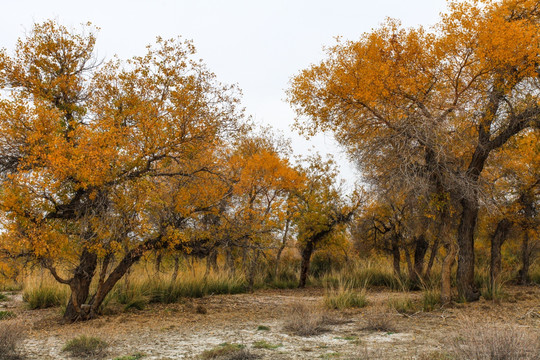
(177, 331)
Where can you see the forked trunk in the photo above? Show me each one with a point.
(80, 286)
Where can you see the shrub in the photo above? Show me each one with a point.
(503, 342)
(305, 321)
(85, 346)
(4, 315)
(11, 336)
(379, 322)
(3, 297)
(263, 328)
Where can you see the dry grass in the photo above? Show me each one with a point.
(12, 334)
(404, 305)
(381, 321)
(344, 296)
(228, 351)
(305, 320)
(86, 347)
(496, 342)
(42, 292)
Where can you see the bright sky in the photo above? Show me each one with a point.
(257, 44)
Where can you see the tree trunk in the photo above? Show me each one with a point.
(80, 285)
(252, 269)
(176, 267)
(498, 238)
(396, 256)
(230, 261)
(432, 256)
(159, 260)
(465, 273)
(446, 271)
(306, 258)
(410, 267)
(420, 249)
(523, 275)
(281, 248)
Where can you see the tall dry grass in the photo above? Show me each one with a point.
(41, 291)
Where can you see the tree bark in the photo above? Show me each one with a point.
(420, 249)
(396, 256)
(432, 256)
(446, 271)
(307, 251)
(176, 267)
(80, 285)
(523, 275)
(465, 273)
(159, 260)
(281, 248)
(252, 269)
(497, 240)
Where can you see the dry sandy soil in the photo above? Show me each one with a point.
(177, 331)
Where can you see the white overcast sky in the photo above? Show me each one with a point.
(256, 44)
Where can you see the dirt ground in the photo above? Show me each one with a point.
(177, 331)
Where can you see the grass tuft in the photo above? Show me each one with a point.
(5, 315)
(12, 334)
(263, 344)
(431, 300)
(303, 320)
(44, 293)
(403, 305)
(85, 347)
(136, 356)
(228, 351)
(380, 322)
(497, 342)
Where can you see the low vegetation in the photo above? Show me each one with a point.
(496, 341)
(12, 334)
(263, 344)
(308, 320)
(228, 351)
(6, 314)
(404, 305)
(42, 292)
(379, 321)
(86, 347)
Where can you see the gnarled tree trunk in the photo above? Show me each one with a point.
(80, 285)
